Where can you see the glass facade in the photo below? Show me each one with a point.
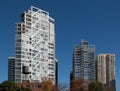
(84, 61)
(11, 68)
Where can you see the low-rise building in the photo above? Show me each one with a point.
(31, 85)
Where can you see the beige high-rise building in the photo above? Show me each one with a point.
(106, 71)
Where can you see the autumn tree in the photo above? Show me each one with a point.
(60, 87)
(47, 85)
(95, 86)
(79, 85)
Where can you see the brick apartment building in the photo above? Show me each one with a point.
(31, 85)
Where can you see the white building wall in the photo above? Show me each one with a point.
(37, 46)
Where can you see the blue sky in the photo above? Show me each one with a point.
(97, 21)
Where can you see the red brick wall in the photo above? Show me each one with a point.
(32, 86)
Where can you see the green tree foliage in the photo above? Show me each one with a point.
(79, 85)
(95, 86)
(10, 86)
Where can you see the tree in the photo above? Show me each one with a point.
(11, 86)
(60, 87)
(79, 85)
(47, 85)
(95, 86)
(8, 86)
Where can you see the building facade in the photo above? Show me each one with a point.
(84, 62)
(30, 85)
(11, 68)
(106, 71)
(35, 47)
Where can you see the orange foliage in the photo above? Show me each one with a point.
(79, 85)
(47, 85)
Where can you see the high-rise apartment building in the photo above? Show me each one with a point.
(106, 71)
(84, 62)
(35, 47)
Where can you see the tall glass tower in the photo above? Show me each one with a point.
(84, 62)
(35, 47)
